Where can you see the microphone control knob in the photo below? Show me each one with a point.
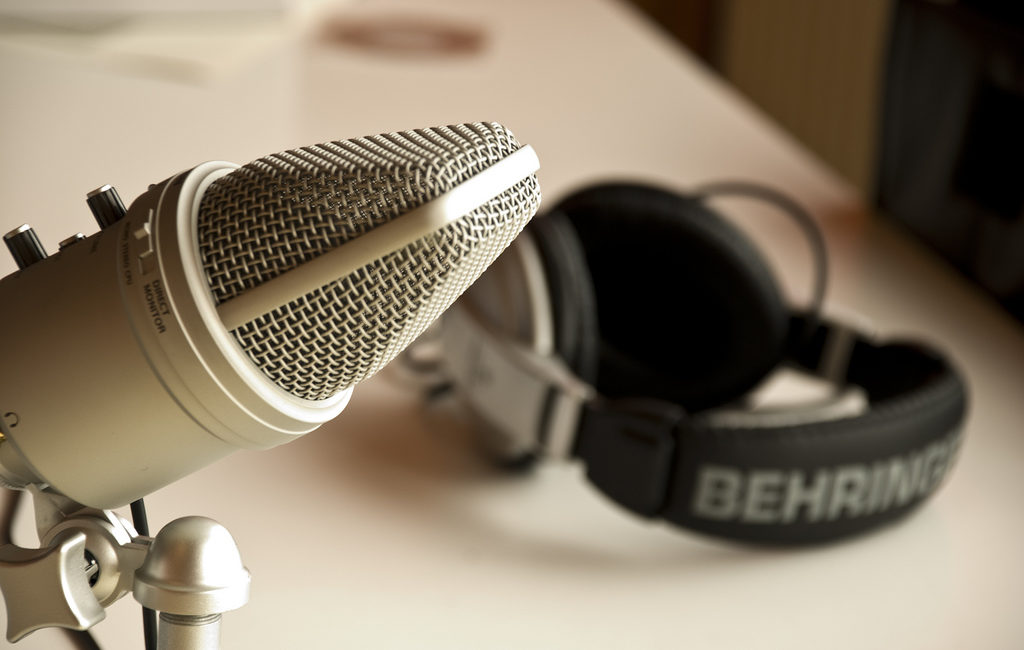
(25, 247)
(73, 239)
(106, 205)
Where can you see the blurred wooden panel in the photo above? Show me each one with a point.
(814, 66)
(694, 22)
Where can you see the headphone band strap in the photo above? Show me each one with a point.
(800, 483)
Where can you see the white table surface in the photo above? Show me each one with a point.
(383, 529)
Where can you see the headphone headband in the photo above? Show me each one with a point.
(798, 483)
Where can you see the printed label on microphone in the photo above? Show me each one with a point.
(156, 302)
(126, 267)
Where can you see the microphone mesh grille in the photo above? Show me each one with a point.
(273, 214)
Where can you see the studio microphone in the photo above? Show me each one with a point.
(236, 307)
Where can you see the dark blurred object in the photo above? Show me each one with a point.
(812, 66)
(694, 22)
(952, 149)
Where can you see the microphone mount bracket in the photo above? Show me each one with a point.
(88, 558)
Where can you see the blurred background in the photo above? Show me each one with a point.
(918, 103)
(883, 117)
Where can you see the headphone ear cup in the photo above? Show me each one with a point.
(688, 309)
(571, 294)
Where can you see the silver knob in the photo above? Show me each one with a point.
(25, 247)
(48, 587)
(73, 239)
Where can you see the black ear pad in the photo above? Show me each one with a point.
(688, 310)
(571, 294)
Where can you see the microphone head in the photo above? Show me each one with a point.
(284, 210)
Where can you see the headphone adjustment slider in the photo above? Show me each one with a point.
(629, 449)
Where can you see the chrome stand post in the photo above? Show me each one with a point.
(192, 574)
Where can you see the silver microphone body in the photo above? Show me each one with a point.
(236, 307)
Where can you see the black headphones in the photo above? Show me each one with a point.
(624, 328)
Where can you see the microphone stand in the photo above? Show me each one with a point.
(191, 572)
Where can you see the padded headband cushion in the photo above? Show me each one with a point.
(792, 484)
(688, 310)
(874, 468)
